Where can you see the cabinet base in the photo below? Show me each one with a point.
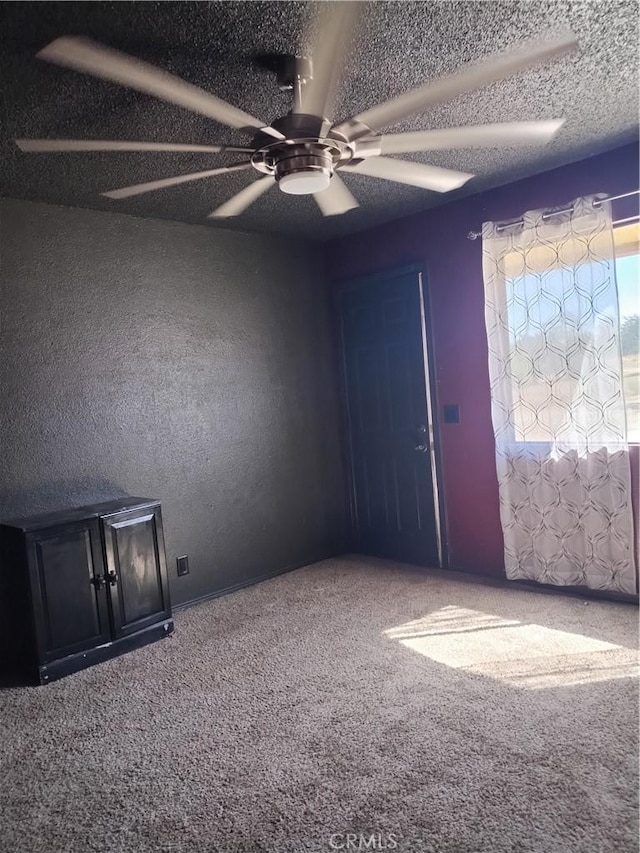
(74, 663)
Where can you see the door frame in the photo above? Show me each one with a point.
(431, 414)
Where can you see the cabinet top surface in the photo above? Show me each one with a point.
(51, 519)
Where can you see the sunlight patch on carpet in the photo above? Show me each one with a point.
(525, 655)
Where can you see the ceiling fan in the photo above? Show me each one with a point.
(303, 151)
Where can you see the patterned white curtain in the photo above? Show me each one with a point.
(551, 312)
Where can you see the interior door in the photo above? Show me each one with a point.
(70, 603)
(136, 569)
(390, 437)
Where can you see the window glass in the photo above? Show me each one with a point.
(546, 333)
(627, 243)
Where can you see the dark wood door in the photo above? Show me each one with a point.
(70, 602)
(136, 569)
(392, 491)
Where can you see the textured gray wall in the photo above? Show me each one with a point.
(172, 361)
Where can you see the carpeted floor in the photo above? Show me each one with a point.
(353, 696)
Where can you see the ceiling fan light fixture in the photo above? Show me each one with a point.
(307, 182)
(304, 169)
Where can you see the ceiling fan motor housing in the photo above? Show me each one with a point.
(302, 163)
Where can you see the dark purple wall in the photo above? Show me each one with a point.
(438, 239)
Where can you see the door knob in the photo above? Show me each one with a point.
(97, 581)
(112, 577)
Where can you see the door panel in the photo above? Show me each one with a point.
(72, 599)
(140, 585)
(385, 391)
(136, 568)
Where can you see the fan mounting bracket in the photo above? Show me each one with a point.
(290, 70)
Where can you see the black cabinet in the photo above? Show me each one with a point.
(81, 586)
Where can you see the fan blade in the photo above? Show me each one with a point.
(84, 55)
(62, 146)
(332, 29)
(138, 189)
(336, 199)
(241, 201)
(415, 174)
(466, 80)
(479, 136)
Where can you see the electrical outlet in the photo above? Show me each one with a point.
(183, 565)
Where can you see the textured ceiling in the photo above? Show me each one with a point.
(399, 46)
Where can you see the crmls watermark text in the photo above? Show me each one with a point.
(360, 841)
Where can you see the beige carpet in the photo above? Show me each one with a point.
(348, 700)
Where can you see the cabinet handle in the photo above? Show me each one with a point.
(97, 581)
(112, 577)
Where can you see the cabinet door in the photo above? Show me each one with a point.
(69, 593)
(136, 569)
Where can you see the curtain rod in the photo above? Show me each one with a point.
(473, 235)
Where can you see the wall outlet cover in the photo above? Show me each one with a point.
(183, 565)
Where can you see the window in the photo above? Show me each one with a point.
(546, 351)
(627, 247)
